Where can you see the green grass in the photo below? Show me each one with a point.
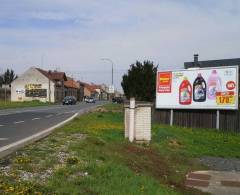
(196, 142)
(91, 156)
(9, 104)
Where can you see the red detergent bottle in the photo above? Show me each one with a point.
(185, 92)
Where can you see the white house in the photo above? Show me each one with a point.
(38, 84)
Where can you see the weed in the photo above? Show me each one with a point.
(72, 160)
(22, 160)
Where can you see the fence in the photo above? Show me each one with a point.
(228, 120)
(5, 94)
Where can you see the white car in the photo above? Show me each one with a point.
(89, 100)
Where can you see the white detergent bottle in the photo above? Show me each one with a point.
(214, 85)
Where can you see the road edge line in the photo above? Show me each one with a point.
(8, 149)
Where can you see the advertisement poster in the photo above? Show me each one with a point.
(165, 82)
(201, 88)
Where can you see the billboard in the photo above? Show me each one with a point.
(198, 88)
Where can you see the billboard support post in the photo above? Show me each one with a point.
(171, 117)
(217, 119)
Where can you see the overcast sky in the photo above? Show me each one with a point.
(73, 35)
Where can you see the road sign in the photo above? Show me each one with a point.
(111, 89)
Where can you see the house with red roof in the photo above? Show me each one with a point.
(92, 90)
(72, 88)
(39, 84)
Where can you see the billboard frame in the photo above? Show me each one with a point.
(206, 107)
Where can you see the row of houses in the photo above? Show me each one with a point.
(53, 86)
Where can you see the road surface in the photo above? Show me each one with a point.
(17, 124)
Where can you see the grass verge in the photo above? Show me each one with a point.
(91, 156)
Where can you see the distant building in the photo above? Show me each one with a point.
(92, 90)
(85, 90)
(38, 84)
(104, 92)
(72, 88)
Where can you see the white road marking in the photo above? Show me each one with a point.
(48, 116)
(17, 122)
(67, 112)
(1, 125)
(35, 119)
(3, 139)
(11, 111)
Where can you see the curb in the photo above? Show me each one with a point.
(8, 149)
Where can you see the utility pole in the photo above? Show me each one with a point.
(112, 87)
(107, 59)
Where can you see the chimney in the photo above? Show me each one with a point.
(196, 64)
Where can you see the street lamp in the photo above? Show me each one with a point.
(109, 60)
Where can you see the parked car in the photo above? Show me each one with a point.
(69, 100)
(117, 100)
(89, 100)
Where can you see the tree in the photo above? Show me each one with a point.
(140, 81)
(8, 77)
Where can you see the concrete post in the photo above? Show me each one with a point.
(132, 119)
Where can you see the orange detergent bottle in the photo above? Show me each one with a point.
(185, 92)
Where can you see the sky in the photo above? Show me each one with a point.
(74, 35)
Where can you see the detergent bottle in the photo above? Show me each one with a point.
(185, 92)
(214, 85)
(199, 89)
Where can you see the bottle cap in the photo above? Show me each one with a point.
(214, 72)
(185, 78)
(199, 75)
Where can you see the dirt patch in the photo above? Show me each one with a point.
(173, 143)
(105, 110)
(148, 161)
(101, 110)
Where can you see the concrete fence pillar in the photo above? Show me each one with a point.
(137, 121)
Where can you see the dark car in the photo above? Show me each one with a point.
(69, 100)
(118, 100)
(90, 100)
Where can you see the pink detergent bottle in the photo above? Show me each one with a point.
(214, 85)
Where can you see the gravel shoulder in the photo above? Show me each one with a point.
(221, 164)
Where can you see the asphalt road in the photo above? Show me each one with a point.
(17, 124)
